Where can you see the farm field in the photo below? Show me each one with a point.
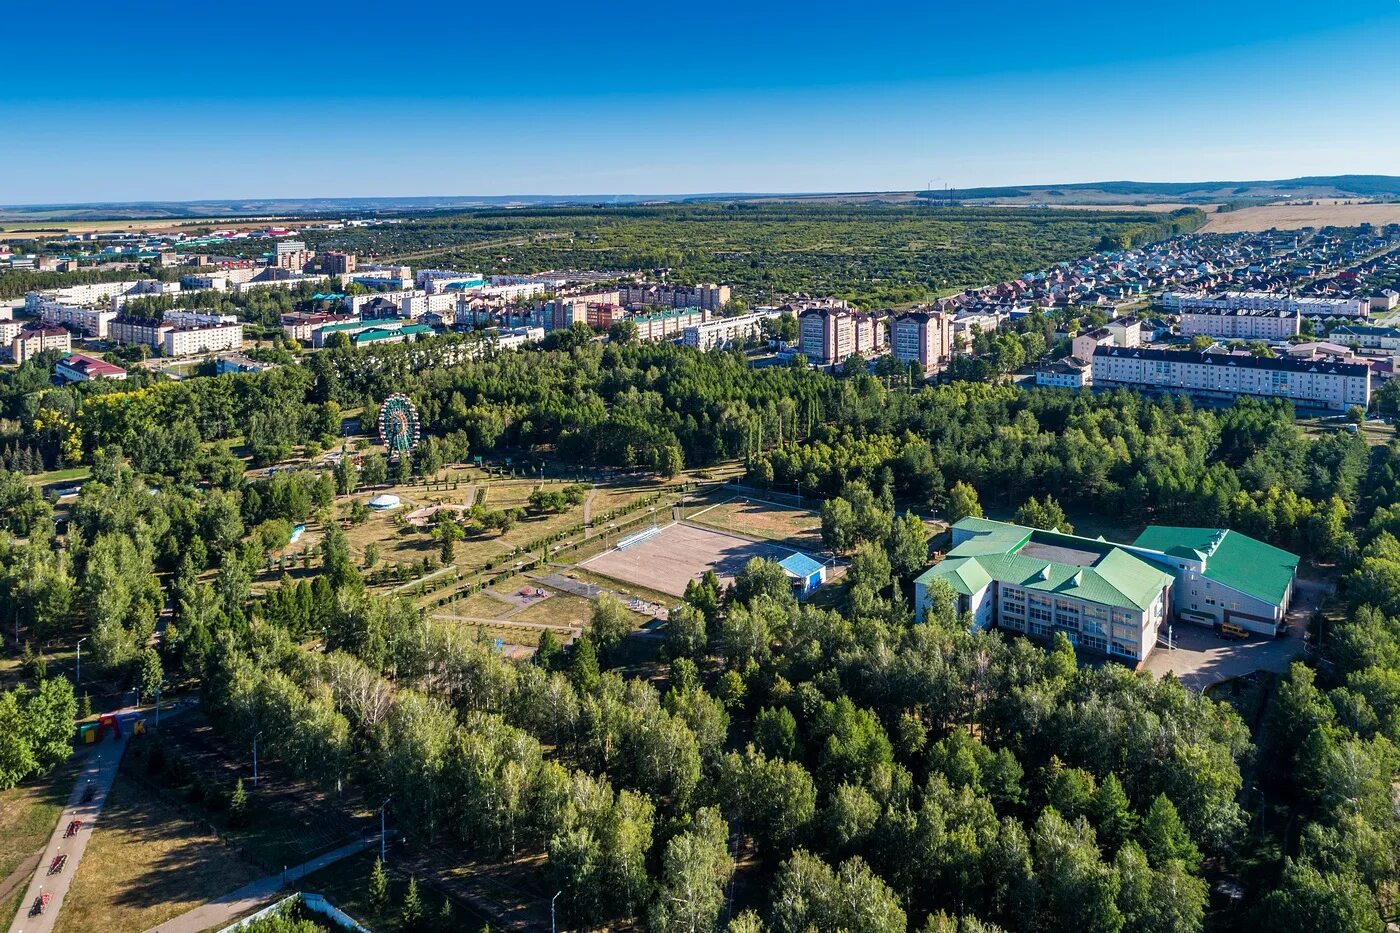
(1294, 216)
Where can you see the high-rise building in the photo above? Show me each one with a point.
(290, 254)
(334, 263)
(924, 338)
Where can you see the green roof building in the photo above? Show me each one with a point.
(1107, 597)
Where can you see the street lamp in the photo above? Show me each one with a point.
(79, 688)
(255, 758)
(551, 910)
(381, 826)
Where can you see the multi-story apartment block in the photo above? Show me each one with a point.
(300, 325)
(1308, 383)
(727, 331)
(91, 321)
(290, 254)
(1084, 344)
(923, 338)
(1240, 324)
(434, 281)
(1182, 302)
(708, 297)
(1368, 338)
(202, 338)
(665, 325)
(334, 263)
(1107, 597)
(830, 334)
(1069, 373)
(31, 341)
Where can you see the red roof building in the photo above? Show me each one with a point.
(79, 367)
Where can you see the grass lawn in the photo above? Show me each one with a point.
(146, 863)
(797, 528)
(29, 812)
(623, 590)
(70, 475)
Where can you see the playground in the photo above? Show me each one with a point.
(667, 557)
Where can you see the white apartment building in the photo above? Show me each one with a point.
(91, 321)
(1310, 383)
(924, 338)
(1369, 338)
(1084, 344)
(726, 331)
(1070, 373)
(1240, 324)
(1182, 302)
(202, 338)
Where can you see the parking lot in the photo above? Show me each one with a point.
(1201, 657)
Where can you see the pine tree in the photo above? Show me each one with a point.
(378, 887)
(238, 805)
(86, 709)
(412, 914)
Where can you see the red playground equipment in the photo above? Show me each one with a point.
(109, 721)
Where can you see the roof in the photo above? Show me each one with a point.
(1232, 559)
(1090, 569)
(1279, 363)
(90, 366)
(800, 565)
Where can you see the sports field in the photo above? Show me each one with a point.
(678, 553)
(796, 528)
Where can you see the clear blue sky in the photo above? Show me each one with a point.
(293, 99)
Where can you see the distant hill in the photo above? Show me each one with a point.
(1192, 192)
(1104, 192)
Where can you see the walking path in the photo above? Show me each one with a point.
(224, 910)
(99, 770)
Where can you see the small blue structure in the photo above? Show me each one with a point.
(806, 573)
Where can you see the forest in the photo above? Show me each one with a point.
(786, 766)
(873, 255)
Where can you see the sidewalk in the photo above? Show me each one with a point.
(99, 770)
(224, 910)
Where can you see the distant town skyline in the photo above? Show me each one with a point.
(227, 101)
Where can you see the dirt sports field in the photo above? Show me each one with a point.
(1294, 216)
(678, 553)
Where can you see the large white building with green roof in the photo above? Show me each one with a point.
(1106, 597)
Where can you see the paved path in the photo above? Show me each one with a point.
(99, 770)
(224, 910)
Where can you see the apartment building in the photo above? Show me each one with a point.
(728, 331)
(93, 322)
(1368, 338)
(1084, 344)
(1240, 324)
(709, 297)
(436, 281)
(31, 341)
(300, 325)
(829, 334)
(334, 263)
(666, 325)
(290, 254)
(1126, 331)
(1309, 383)
(193, 339)
(1183, 302)
(923, 338)
(1069, 373)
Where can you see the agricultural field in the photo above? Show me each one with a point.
(1321, 213)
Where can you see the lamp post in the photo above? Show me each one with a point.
(79, 676)
(381, 826)
(255, 758)
(551, 910)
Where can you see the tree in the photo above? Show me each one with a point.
(1199, 344)
(1355, 414)
(611, 624)
(694, 869)
(1311, 900)
(809, 895)
(412, 914)
(775, 732)
(838, 525)
(907, 545)
(1046, 515)
(151, 673)
(374, 470)
(448, 534)
(378, 888)
(685, 632)
(1112, 813)
(962, 503)
(1165, 837)
(238, 805)
(623, 332)
(1080, 891)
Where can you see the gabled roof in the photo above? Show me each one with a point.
(800, 565)
(1232, 559)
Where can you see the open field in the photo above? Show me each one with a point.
(796, 528)
(677, 554)
(146, 864)
(1294, 216)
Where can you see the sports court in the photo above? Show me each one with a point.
(669, 557)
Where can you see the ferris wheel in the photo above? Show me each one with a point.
(398, 425)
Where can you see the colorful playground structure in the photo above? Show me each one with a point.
(93, 732)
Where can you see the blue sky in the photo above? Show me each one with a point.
(229, 100)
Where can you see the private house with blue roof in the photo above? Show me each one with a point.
(1106, 597)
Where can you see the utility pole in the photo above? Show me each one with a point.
(255, 758)
(381, 827)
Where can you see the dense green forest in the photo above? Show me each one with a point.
(874, 255)
(839, 767)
